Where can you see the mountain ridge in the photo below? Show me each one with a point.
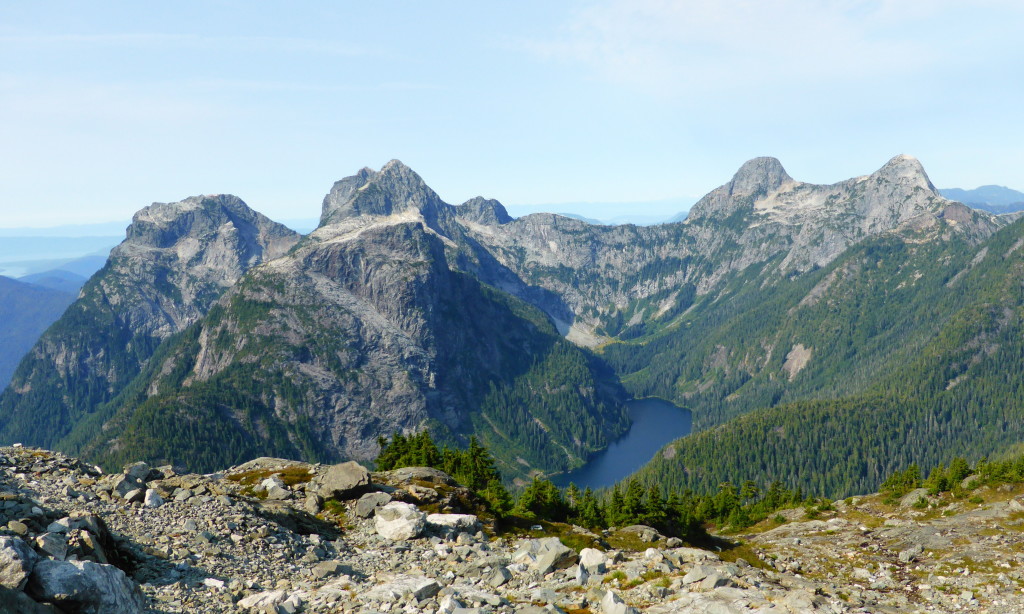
(402, 312)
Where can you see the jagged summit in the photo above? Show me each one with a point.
(396, 188)
(758, 176)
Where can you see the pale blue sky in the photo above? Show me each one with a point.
(106, 107)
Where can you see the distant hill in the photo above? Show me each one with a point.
(26, 310)
(993, 198)
(57, 279)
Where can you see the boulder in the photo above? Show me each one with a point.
(643, 532)
(545, 555)
(499, 576)
(453, 524)
(261, 601)
(342, 479)
(17, 560)
(327, 568)
(407, 475)
(399, 587)
(152, 499)
(698, 573)
(593, 561)
(368, 503)
(139, 471)
(313, 504)
(612, 604)
(275, 488)
(400, 521)
(124, 484)
(85, 587)
(53, 544)
(17, 602)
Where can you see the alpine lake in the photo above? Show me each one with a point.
(656, 422)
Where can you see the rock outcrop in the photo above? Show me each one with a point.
(215, 546)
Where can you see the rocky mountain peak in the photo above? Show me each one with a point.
(906, 171)
(754, 180)
(758, 176)
(482, 210)
(394, 189)
(208, 224)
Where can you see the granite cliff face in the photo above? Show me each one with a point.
(176, 260)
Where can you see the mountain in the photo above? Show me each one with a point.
(402, 312)
(364, 327)
(994, 198)
(26, 310)
(176, 260)
(607, 283)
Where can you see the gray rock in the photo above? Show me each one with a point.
(399, 521)
(260, 601)
(138, 471)
(913, 497)
(17, 559)
(451, 524)
(402, 586)
(698, 573)
(611, 603)
(713, 581)
(547, 554)
(327, 568)
(137, 495)
(593, 560)
(53, 544)
(342, 479)
(498, 576)
(368, 503)
(643, 532)
(152, 499)
(59, 526)
(124, 484)
(17, 602)
(911, 553)
(85, 587)
(314, 503)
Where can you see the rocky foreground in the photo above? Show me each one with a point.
(280, 536)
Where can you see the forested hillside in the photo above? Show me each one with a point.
(915, 353)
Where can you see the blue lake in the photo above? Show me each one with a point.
(655, 423)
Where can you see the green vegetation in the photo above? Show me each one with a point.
(951, 479)
(473, 467)
(682, 515)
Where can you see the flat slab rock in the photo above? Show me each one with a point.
(398, 587)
